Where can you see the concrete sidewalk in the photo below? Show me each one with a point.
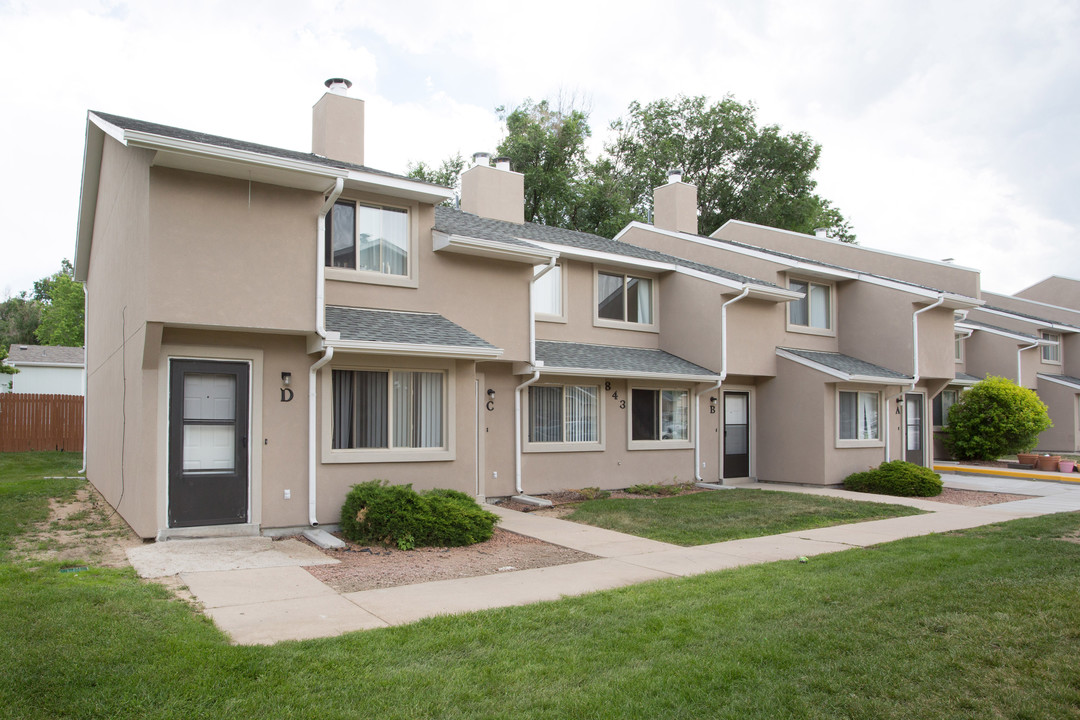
(269, 597)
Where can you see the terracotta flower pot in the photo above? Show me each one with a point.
(1048, 463)
(1066, 466)
(1026, 458)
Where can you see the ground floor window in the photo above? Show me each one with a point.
(387, 409)
(944, 400)
(858, 415)
(564, 414)
(659, 414)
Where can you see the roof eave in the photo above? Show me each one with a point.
(449, 242)
(462, 352)
(632, 374)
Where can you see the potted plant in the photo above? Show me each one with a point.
(1048, 463)
(1027, 458)
(1066, 466)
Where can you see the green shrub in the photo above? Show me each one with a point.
(995, 417)
(594, 493)
(644, 489)
(377, 512)
(899, 478)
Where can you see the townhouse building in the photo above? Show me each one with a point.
(267, 327)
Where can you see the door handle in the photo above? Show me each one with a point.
(243, 441)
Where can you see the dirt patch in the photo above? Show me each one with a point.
(370, 567)
(975, 498)
(80, 531)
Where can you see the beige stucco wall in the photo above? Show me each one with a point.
(116, 310)
(927, 272)
(989, 354)
(1054, 290)
(1061, 403)
(230, 253)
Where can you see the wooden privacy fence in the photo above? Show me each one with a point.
(41, 422)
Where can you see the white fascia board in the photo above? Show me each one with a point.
(93, 147)
(490, 248)
(398, 187)
(23, 363)
(837, 242)
(1040, 322)
(415, 349)
(1058, 380)
(1019, 338)
(776, 294)
(962, 381)
(574, 253)
(632, 374)
(840, 374)
(709, 277)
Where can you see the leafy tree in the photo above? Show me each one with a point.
(742, 171)
(995, 417)
(62, 316)
(448, 174)
(19, 318)
(6, 369)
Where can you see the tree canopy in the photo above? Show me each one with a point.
(447, 174)
(742, 170)
(52, 315)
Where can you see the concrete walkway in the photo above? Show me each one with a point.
(262, 594)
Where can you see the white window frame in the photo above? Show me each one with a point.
(879, 441)
(411, 277)
(601, 419)
(830, 331)
(560, 272)
(625, 324)
(1051, 354)
(391, 453)
(958, 347)
(944, 411)
(659, 444)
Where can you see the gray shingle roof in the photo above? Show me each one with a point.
(1074, 381)
(219, 141)
(1026, 316)
(847, 364)
(459, 222)
(988, 326)
(581, 356)
(390, 326)
(56, 354)
(967, 378)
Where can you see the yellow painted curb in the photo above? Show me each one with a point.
(998, 472)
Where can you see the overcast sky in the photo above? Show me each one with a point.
(949, 129)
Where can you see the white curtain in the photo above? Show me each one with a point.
(581, 415)
(643, 297)
(418, 409)
(545, 414)
(819, 306)
(547, 291)
(868, 416)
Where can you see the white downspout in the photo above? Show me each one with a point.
(530, 381)
(915, 368)
(723, 376)
(320, 329)
(1019, 374)
(85, 371)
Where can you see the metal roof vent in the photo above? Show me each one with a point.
(502, 163)
(481, 158)
(338, 86)
(822, 233)
(674, 175)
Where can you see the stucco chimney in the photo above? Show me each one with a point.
(675, 205)
(337, 124)
(493, 192)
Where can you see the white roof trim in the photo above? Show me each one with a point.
(1058, 380)
(25, 364)
(1015, 335)
(410, 349)
(840, 374)
(635, 374)
(1040, 322)
(490, 248)
(575, 253)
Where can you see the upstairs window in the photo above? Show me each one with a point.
(367, 237)
(624, 298)
(548, 292)
(1051, 353)
(958, 348)
(815, 309)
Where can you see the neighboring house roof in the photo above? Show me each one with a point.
(458, 222)
(965, 379)
(52, 355)
(570, 358)
(843, 366)
(403, 332)
(1066, 380)
(956, 301)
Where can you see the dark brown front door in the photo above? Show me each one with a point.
(736, 434)
(208, 442)
(913, 428)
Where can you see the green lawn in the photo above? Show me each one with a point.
(25, 493)
(978, 624)
(728, 514)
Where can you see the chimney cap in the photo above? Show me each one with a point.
(821, 232)
(335, 85)
(481, 158)
(502, 162)
(674, 175)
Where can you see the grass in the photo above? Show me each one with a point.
(728, 515)
(25, 493)
(977, 624)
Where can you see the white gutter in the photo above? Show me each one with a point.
(723, 376)
(328, 352)
(85, 371)
(1019, 376)
(530, 381)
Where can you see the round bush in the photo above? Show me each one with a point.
(995, 417)
(899, 478)
(377, 512)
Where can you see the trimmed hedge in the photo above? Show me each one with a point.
(995, 417)
(898, 478)
(378, 512)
